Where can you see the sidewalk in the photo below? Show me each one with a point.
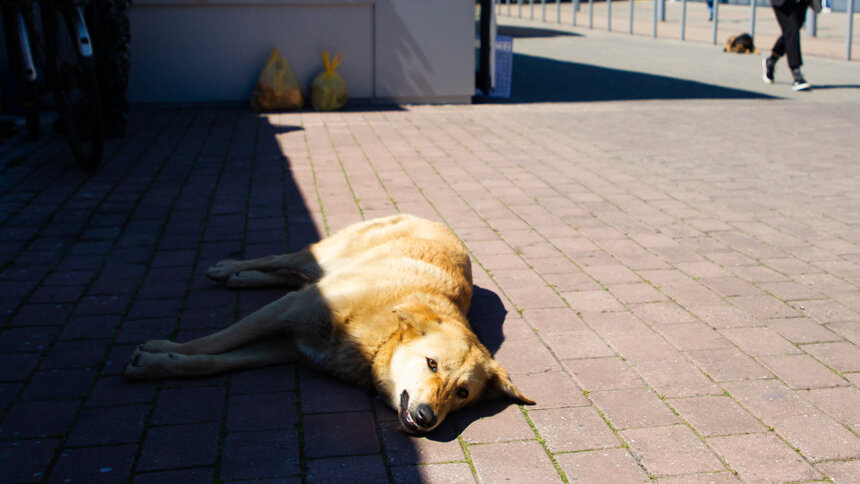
(829, 41)
(677, 286)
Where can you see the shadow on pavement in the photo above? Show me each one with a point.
(532, 32)
(541, 80)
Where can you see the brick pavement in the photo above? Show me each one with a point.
(681, 296)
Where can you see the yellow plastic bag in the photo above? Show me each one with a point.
(328, 89)
(277, 87)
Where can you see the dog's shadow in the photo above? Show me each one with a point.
(487, 316)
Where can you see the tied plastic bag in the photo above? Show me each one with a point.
(277, 87)
(328, 89)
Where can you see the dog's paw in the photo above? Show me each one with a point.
(145, 366)
(158, 346)
(221, 271)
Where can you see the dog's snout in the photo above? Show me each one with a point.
(424, 416)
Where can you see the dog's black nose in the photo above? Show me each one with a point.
(424, 416)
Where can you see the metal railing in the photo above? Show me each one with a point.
(659, 15)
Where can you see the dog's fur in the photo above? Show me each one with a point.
(742, 44)
(380, 303)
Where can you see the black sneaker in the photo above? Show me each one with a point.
(767, 65)
(800, 83)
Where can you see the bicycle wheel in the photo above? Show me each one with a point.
(76, 89)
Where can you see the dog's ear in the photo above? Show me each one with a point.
(416, 315)
(500, 385)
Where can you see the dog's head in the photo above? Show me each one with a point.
(438, 367)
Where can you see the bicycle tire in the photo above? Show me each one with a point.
(76, 88)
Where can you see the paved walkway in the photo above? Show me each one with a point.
(675, 280)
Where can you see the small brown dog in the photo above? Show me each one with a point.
(741, 44)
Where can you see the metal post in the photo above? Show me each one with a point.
(849, 27)
(484, 79)
(630, 17)
(520, 8)
(684, 19)
(532, 9)
(752, 18)
(654, 23)
(716, 21)
(609, 15)
(662, 10)
(558, 11)
(590, 14)
(543, 10)
(509, 7)
(812, 23)
(575, 9)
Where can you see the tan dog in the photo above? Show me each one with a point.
(379, 303)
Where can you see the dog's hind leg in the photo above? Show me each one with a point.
(279, 317)
(292, 270)
(146, 365)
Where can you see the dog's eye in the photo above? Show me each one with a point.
(463, 393)
(431, 363)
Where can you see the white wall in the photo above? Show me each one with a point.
(213, 50)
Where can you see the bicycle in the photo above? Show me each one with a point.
(61, 62)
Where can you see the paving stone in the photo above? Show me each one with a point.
(491, 421)
(365, 469)
(841, 356)
(38, 419)
(762, 458)
(573, 429)
(337, 434)
(108, 425)
(802, 371)
(729, 364)
(843, 404)
(553, 320)
(551, 390)
(17, 366)
(595, 466)
(258, 455)
(200, 475)
(802, 330)
(633, 408)
(841, 472)
(76, 354)
(94, 465)
(693, 336)
(26, 460)
(676, 379)
(188, 405)
(713, 415)
(829, 441)
(760, 341)
(596, 374)
(577, 344)
(459, 473)
(768, 399)
(708, 478)
(323, 395)
(115, 390)
(402, 449)
(528, 356)
(178, 446)
(262, 411)
(671, 450)
(524, 461)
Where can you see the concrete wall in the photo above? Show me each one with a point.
(213, 50)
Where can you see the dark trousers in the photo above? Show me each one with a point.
(790, 16)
